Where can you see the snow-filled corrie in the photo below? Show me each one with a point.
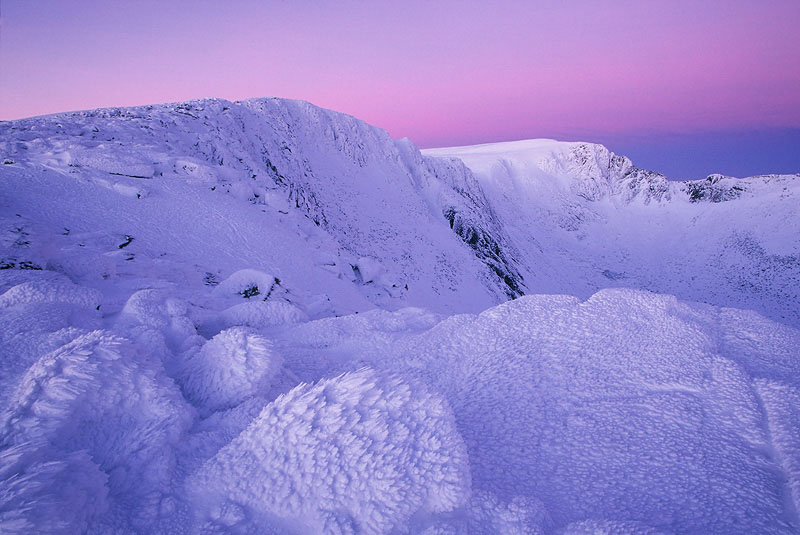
(360, 453)
(579, 218)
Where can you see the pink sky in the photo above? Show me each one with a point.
(440, 73)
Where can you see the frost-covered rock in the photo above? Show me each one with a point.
(359, 453)
(43, 492)
(248, 283)
(94, 395)
(229, 368)
(159, 322)
(146, 307)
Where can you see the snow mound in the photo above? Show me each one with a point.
(248, 283)
(359, 453)
(43, 291)
(94, 395)
(159, 322)
(229, 368)
(42, 494)
(151, 308)
(261, 314)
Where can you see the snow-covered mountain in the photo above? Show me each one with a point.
(582, 218)
(267, 317)
(328, 204)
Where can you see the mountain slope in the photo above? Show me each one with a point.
(328, 204)
(583, 219)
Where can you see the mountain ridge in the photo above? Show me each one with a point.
(523, 210)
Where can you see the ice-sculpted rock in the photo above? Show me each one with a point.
(358, 453)
(94, 395)
(47, 493)
(229, 368)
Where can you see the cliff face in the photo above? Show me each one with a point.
(376, 204)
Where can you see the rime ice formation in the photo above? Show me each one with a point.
(56, 493)
(97, 397)
(359, 453)
(578, 403)
(266, 317)
(230, 368)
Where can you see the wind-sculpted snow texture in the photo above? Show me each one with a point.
(223, 317)
(359, 453)
(630, 406)
(231, 367)
(97, 402)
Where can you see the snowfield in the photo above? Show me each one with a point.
(266, 317)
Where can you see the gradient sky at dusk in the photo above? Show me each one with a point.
(682, 87)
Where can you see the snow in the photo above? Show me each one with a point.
(45, 292)
(266, 317)
(263, 314)
(94, 395)
(230, 368)
(578, 403)
(358, 453)
(248, 283)
(56, 494)
(580, 218)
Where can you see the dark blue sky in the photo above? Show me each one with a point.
(698, 154)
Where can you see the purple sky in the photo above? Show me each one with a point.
(662, 82)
